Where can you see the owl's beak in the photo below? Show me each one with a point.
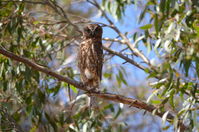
(92, 32)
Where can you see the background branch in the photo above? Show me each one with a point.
(62, 13)
(58, 9)
(124, 57)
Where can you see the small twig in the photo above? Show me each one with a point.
(62, 13)
(55, 23)
(112, 55)
(53, 5)
(115, 40)
(25, 1)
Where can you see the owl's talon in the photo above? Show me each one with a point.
(90, 89)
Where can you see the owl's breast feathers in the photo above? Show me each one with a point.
(90, 60)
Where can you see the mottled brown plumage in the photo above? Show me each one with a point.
(90, 58)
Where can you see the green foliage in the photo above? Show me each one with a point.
(116, 8)
(175, 41)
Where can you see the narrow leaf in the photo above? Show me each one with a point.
(147, 26)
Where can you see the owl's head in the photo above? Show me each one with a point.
(93, 31)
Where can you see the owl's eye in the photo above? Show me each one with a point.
(87, 30)
(97, 29)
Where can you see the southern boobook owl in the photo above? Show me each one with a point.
(90, 59)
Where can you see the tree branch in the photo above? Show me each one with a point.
(114, 40)
(124, 57)
(62, 13)
(108, 96)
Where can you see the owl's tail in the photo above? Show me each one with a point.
(93, 102)
(93, 85)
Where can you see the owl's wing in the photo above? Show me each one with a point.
(99, 61)
(81, 56)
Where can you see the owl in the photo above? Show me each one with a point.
(90, 59)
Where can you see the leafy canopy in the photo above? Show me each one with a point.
(49, 34)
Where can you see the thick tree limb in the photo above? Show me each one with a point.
(40, 68)
(108, 96)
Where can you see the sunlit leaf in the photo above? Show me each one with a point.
(164, 117)
(73, 88)
(145, 27)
